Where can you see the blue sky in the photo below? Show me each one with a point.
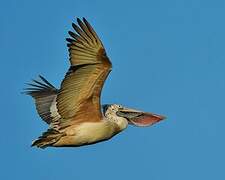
(168, 57)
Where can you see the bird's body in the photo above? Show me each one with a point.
(88, 133)
(73, 111)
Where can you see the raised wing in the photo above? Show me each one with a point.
(79, 95)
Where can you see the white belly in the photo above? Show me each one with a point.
(92, 132)
(87, 133)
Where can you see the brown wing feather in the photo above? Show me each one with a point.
(79, 95)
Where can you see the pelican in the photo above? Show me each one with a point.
(74, 112)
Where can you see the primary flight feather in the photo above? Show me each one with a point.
(73, 112)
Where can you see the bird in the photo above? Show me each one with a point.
(74, 113)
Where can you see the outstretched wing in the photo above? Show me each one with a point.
(79, 96)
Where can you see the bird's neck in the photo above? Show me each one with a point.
(120, 122)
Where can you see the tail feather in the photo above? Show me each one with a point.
(48, 138)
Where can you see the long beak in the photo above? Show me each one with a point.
(139, 118)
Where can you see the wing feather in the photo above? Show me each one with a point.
(79, 96)
(92, 31)
(44, 94)
(86, 30)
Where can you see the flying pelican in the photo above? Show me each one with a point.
(73, 112)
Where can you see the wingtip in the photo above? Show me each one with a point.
(86, 22)
(78, 20)
(72, 34)
(24, 92)
(40, 76)
(73, 25)
(84, 19)
(69, 40)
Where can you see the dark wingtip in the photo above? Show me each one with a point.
(74, 26)
(79, 21)
(69, 40)
(70, 33)
(40, 76)
(85, 20)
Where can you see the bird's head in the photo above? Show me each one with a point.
(131, 116)
(110, 113)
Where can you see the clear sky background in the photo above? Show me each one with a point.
(168, 57)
